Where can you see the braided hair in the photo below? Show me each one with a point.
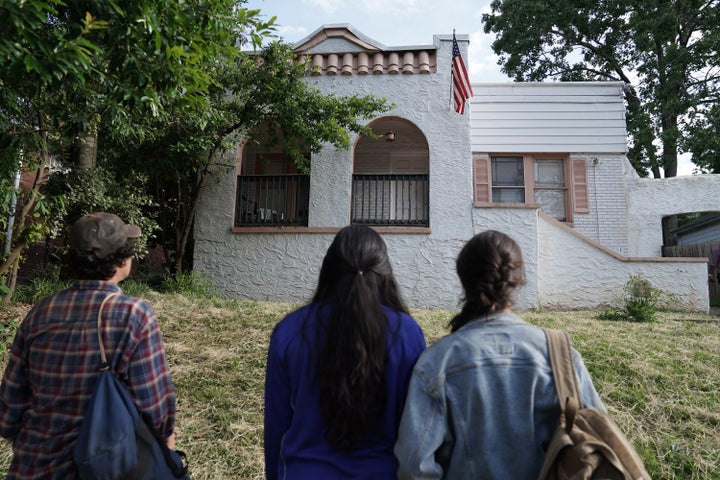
(490, 267)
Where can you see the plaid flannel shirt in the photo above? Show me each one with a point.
(53, 367)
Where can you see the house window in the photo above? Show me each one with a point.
(549, 186)
(390, 181)
(556, 183)
(508, 184)
(390, 199)
(271, 192)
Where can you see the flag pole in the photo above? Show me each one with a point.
(452, 78)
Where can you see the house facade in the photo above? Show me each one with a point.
(542, 162)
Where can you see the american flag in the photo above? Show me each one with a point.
(461, 88)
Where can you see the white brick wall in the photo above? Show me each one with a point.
(606, 222)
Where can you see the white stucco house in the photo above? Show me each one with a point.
(543, 162)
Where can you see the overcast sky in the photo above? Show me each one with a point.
(400, 23)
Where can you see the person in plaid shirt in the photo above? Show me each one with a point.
(54, 360)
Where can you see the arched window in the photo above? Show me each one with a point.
(391, 176)
(270, 191)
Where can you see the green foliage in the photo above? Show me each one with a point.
(8, 326)
(33, 213)
(190, 284)
(685, 218)
(99, 190)
(294, 115)
(45, 284)
(640, 302)
(703, 140)
(261, 97)
(165, 88)
(664, 52)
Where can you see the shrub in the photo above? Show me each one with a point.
(9, 323)
(641, 302)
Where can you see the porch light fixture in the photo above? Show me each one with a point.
(389, 136)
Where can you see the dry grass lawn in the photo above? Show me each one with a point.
(660, 381)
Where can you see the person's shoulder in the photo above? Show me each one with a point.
(442, 349)
(294, 320)
(403, 322)
(397, 315)
(40, 308)
(139, 305)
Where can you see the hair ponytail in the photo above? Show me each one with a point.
(356, 280)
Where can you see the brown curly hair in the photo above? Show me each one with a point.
(490, 267)
(88, 267)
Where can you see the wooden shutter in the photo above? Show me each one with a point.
(581, 201)
(481, 179)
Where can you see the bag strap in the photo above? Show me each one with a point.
(563, 369)
(104, 365)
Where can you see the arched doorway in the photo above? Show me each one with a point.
(391, 184)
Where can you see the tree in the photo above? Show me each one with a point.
(665, 51)
(70, 67)
(157, 88)
(704, 138)
(251, 90)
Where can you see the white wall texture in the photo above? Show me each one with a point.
(607, 220)
(576, 274)
(285, 266)
(651, 199)
(521, 224)
(563, 269)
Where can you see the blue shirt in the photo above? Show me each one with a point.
(482, 404)
(295, 446)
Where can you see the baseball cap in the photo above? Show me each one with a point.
(101, 234)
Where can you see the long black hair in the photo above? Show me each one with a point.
(356, 280)
(490, 267)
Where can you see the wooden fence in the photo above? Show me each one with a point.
(697, 250)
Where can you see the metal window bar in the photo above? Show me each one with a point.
(389, 200)
(272, 200)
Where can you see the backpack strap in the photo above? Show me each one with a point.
(104, 365)
(560, 354)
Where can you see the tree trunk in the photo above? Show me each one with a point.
(669, 225)
(85, 150)
(670, 145)
(24, 217)
(13, 281)
(188, 223)
(669, 163)
(182, 239)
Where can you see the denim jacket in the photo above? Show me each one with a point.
(482, 403)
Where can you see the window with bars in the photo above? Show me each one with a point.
(390, 199)
(272, 200)
(270, 192)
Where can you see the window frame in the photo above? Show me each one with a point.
(575, 188)
(271, 214)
